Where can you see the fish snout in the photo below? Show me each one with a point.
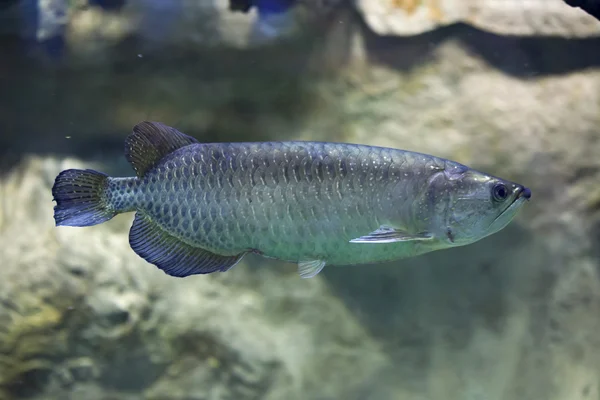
(525, 193)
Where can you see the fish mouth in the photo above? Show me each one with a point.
(523, 195)
(523, 192)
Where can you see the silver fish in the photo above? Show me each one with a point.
(201, 206)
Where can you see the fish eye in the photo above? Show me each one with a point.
(500, 192)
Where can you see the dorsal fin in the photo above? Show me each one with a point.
(150, 142)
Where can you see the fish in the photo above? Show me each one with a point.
(200, 207)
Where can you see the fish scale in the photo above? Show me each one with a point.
(287, 199)
(201, 206)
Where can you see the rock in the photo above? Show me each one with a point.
(92, 31)
(507, 17)
(89, 30)
(84, 317)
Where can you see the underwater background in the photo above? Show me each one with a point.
(508, 87)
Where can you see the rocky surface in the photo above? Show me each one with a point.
(507, 17)
(513, 317)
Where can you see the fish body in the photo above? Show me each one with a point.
(291, 201)
(201, 206)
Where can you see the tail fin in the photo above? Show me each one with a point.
(80, 197)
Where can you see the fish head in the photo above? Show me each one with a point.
(470, 205)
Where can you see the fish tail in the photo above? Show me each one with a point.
(81, 198)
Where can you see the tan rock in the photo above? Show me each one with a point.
(506, 17)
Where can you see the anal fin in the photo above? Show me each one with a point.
(386, 234)
(309, 269)
(173, 256)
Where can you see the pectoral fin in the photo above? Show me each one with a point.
(386, 234)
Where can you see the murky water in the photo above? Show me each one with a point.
(513, 91)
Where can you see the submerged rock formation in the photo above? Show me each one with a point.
(506, 17)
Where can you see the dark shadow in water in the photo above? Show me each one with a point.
(447, 293)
